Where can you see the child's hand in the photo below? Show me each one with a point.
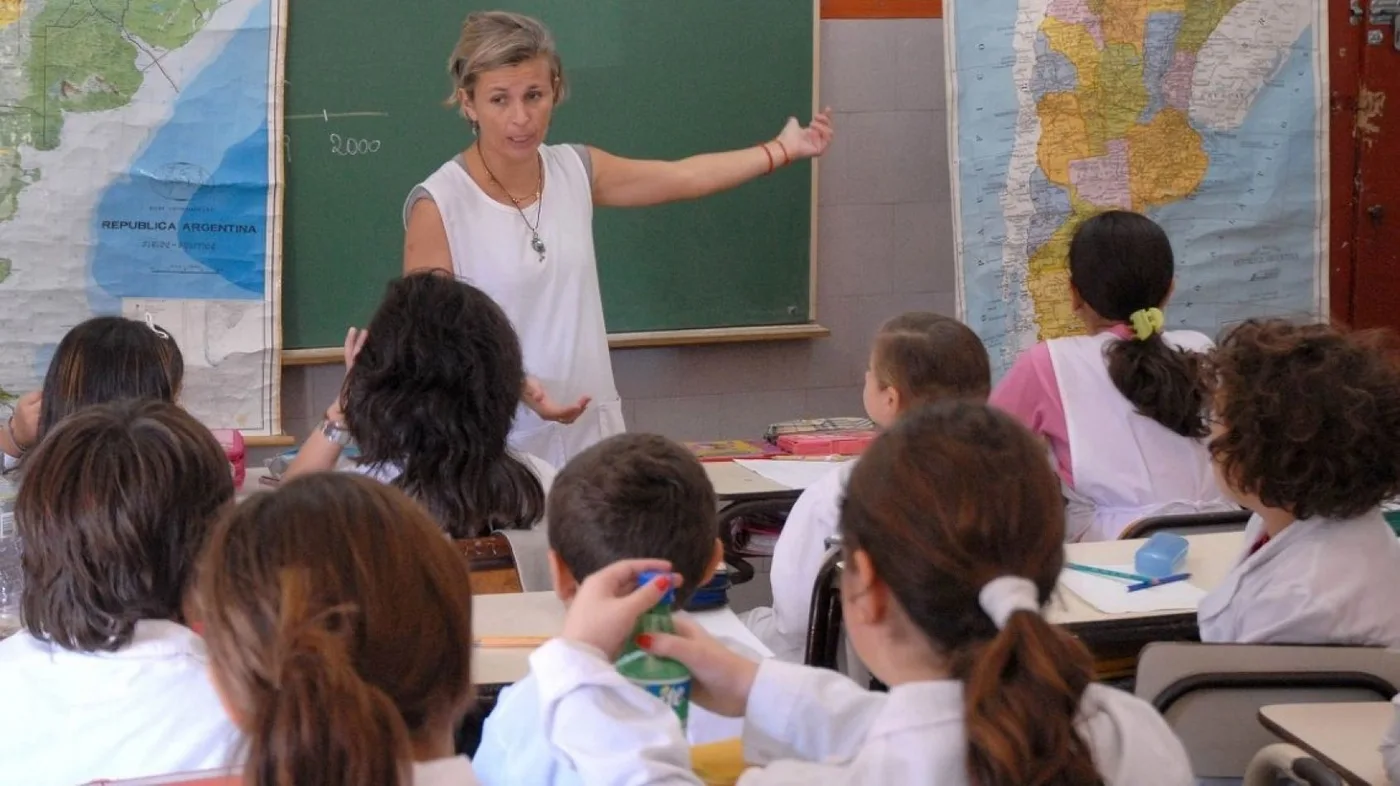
(605, 610)
(26, 420)
(720, 678)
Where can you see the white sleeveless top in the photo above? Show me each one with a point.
(1125, 466)
(555, 305)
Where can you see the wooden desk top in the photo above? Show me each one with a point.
(1346, 736)
(542, 614)
(1208, 560)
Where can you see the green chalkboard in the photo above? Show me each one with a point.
(365, 82)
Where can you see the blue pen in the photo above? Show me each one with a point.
(1149, 584)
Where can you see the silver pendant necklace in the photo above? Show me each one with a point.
(536, 242)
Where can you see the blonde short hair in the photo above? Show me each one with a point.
(498, 39)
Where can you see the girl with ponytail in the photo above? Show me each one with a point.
(1124, 406)
(952, 530)
(338, 621)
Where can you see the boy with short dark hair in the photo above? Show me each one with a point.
(629, 496)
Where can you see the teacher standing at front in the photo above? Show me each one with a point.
(514, 216)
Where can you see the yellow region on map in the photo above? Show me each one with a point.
(10, 11)
(1115, 139)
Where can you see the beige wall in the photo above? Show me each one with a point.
(884, 246)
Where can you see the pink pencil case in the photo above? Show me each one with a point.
(231, 440)
(830, 443)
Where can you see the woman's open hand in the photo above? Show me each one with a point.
(538, 400)
(809, 142)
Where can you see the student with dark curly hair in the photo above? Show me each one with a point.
(108, 680)
(1307, 435)
(430, 393)
(1122, 407)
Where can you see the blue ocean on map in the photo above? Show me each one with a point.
(983, 51)
(190, 219)
(1252, 225)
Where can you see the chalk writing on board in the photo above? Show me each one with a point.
(349, 146)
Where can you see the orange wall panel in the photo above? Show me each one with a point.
(881, 9)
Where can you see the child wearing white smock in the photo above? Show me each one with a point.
(1123, 409)
(917, 358)
(952, 531)
(1304, 437)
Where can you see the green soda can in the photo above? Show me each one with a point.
(663, 678)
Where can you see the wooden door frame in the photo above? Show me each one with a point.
(1346, 44)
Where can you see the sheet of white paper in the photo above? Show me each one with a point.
(1111, 596)
(791, 473)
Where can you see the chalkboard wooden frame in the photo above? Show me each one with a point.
(795, 331)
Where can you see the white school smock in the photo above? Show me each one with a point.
(555, 305)
(514, 750)
(797, 559)
(1390, 747)
(147, 709)
(1320, 581)
(530, 546)
(1125, 466)
(813, 726)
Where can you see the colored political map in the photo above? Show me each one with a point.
(1206, 115)
(138, 176)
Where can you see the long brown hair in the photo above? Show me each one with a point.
(338, 620)
(114, 508)
(929, 357)
(954, 496)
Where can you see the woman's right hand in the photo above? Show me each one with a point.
(721, 679)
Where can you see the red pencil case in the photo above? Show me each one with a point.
(231, 440)
(830, 443)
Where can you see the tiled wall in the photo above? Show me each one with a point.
(884, 246)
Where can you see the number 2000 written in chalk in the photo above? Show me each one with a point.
(350, 146)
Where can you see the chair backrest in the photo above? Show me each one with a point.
(824, 621)
(1188, 524)
(492, 563)
(1211, 694)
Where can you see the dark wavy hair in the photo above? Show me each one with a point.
(955, 495)
(434, 392)
(109, 359)
(1310, 416)
(115, 505)
(338, 621)
(1121, 263)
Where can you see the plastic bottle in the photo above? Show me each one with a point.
(664, 678)
(11, 576)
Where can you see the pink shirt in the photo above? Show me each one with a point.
(1030, 393)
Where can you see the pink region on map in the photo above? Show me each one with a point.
(1077, 12)
(1103, 181)
(1176, 83)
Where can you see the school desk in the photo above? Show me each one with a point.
(536, 616)
(1116, 639)
(530, 615)
(1346, 736)
(736, 483)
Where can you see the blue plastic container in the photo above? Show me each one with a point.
(1162, 555)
